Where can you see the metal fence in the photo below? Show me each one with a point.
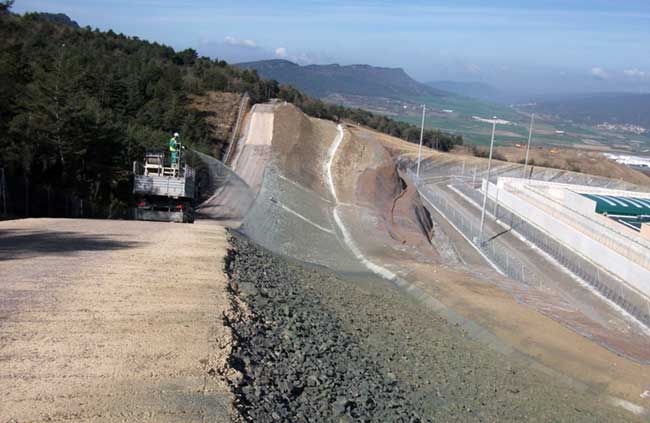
(469, 226)
(604, 282)
(502, 255)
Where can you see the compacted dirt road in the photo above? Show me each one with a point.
(112, 321)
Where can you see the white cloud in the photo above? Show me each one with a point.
(299, 58)
(599, 73)
(473, 68)
(232, 41)
(635, 73)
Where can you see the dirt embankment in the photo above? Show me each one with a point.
(367, 176)
(252, 153)
(300, 147)
(363, 173)
(574, 160)
(311, 346)
(363, 170)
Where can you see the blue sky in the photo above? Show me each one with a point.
(543, 46)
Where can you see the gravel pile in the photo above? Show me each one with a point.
(296, 363)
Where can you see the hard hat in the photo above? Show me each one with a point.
(176, 134)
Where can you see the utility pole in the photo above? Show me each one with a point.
(530, 137)
(487, 182)
(424, 110)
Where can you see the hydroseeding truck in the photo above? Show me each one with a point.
(163, 188)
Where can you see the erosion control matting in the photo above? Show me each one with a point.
(312, 346)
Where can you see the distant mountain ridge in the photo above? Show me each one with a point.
(360, 80)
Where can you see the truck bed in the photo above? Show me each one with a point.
(166, 186)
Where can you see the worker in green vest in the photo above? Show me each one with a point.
(173, 148)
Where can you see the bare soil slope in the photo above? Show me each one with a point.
(330, 204)
(253, 151)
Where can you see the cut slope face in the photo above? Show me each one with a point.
(318, 173)
(253, 151)
(292, 213)
(300, 148)
(331, 196)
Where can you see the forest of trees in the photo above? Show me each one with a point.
(77, 106)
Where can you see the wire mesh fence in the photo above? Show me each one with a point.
(220, 192)
(469, 225)
(511, 263)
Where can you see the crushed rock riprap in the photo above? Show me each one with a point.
(310, 346)
(295, 361)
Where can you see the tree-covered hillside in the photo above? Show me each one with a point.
(78, 105)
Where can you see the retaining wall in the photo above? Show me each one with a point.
(577, 252)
